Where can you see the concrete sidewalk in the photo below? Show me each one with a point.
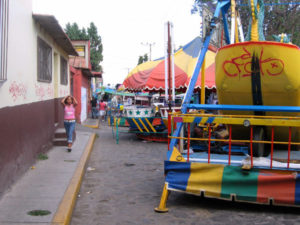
(92, 123)
(51, 185)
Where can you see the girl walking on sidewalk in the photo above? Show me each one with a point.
(69, 103)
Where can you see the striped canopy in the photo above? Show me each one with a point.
(150, 76)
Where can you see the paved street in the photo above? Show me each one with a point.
(123, 184)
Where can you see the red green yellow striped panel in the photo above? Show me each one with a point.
(227, 182)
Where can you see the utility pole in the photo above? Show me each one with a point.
(169, 65)
(150, 45)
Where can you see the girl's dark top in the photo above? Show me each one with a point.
(94, 102)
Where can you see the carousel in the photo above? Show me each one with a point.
(165, 78)
(248, 143)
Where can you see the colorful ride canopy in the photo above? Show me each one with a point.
(150, 76)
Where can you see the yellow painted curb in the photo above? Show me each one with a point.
(93, 126)
(65, 209)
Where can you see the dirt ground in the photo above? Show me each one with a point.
(123, 184)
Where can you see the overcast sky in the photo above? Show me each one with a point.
(124, 24)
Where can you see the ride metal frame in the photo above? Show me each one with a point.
(222, 8)
(243, 120)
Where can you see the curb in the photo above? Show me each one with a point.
(93, 126)
(66, 206)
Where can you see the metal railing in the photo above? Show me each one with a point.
(210, 121)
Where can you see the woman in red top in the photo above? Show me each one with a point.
(69, 104)
(102, 109)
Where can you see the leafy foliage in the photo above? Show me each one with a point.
(143, 59)
(91, 33)
(96, 47)
(281, 16)
(74, 33)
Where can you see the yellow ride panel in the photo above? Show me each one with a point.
(277, 82)
(207, 178)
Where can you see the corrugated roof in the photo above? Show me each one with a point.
(51, 25)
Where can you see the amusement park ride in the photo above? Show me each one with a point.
(258, 90)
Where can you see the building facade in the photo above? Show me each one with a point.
(34, 78)
(82, 78)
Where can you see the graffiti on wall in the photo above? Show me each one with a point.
(41, 92)
(241, 65)
(17, 90)
(50, 91)
(63, 92)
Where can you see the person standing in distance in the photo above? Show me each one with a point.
(94, 108)
(69, 103)
(102, 109)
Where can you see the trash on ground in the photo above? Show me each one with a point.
(90, 168)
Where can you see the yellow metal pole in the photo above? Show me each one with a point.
(203, 84)
(232, 33)
(236, 29)
(254, 27)
(162, 208)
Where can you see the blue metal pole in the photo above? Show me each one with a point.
(264, 108)
(226, 31)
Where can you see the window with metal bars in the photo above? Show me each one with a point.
(3, 38)
(44, 61)
(63, 71)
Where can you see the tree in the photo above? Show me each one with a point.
(75, 33)
(280, 17)
(143, 59)
(96, 47)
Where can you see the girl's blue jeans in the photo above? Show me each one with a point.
(70, 127)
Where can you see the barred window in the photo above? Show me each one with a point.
(44, 61)
(3, 38)
(63, 71)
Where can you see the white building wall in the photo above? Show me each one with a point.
(21, 86)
